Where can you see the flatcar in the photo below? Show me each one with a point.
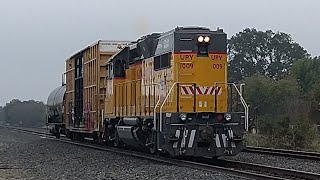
(164, 93)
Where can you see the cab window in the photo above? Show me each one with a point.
(162, 61)
(119, 69)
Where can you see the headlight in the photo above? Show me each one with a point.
(183, 117)
(207, 39)
(200, 39)
(228, 117)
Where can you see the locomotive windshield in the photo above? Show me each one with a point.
(201, 42)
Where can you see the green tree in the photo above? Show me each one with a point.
(307, 72)
(281, 113)
(315, 96)
(27, 113)
(2, 116)
(273, 97)
(268, 53)
(314, 100)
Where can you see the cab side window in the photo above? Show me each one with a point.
(119, 69)
(163, 61)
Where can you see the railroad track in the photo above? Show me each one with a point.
(236, 168)
(284, 152)
(269, 170)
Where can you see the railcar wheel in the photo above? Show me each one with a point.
(57, 135)
(99, 138)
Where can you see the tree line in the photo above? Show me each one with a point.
(23, 113)
(282, 86)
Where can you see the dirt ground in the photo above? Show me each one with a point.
(11, 174)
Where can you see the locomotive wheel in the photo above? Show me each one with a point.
(76, 136)
(95, 137)
(57, 134)
(79, 137)
(71, 135)
(153, 148)
(57, 131)
(116, 142)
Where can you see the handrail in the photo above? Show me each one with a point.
(245, 105)
(155, 108)
(165, 99)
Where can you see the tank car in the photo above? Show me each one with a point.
(55, 110)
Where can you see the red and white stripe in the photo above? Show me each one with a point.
(200, 90)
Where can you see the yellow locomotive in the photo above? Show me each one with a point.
(166, 92)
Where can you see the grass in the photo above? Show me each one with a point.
(273, 142)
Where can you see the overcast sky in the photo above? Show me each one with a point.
(36, 36)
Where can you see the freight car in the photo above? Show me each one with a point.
(166, 92)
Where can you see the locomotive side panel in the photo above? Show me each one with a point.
(147, 93)
(138, 89)
(165, 77)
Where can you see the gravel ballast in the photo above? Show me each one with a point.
(278, 161)
(36, 157)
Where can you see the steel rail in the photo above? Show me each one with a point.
(272, 171)
(284, 152)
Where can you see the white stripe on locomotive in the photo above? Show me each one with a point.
(224, 139)
(218, 144)
(193, 133)
(185, 134)
(175, 144)
(200, 90)
(190, 140)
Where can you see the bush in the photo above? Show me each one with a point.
(280, 112)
